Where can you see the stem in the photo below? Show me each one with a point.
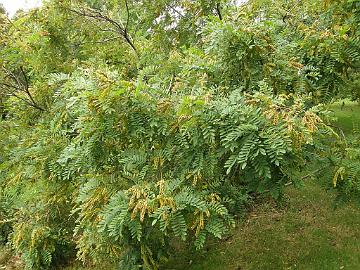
(218, 11)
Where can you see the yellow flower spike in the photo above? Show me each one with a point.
(144, 208)
(201, 220)
(338, 174)
(161, 185)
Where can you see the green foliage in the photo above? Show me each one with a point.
(127, 125)
(146, 170)
(347, 169)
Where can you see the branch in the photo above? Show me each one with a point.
(12, 75)
(27, 91)
(175, 10)
(25, 77)
(34, 105)
(128, 16)
(302, 178)
(20, 87)
(127, 38)
(121, 30)
(218, 10)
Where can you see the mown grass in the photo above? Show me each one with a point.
(347, 114)
(307, 232)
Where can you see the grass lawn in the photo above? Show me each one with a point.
(307, 232)
(348, 116)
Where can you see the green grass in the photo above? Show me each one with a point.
(348, 116)
(308, 234)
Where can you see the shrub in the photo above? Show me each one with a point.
(144, 170)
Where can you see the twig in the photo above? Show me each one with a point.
(307, 176)
(20, 87)
(218, 10)
(121, 29)
(34, 105)
(27, 91)
(128, 16)
(302, 178)
(175, 10)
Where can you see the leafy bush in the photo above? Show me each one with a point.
(347, 169)
(145, 169)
